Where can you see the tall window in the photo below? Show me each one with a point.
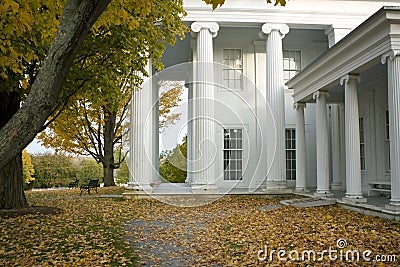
(233, 154)
(291, 63)
(387, 141)
(362, 143)
(290, 136)
(233, 69)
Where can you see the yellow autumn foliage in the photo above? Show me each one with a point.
(93, 231)
(27, 167)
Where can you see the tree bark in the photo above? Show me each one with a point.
(12, 194)
(108, 159)
(78, 17)
(11, 178)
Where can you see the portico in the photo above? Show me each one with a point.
(352, 75)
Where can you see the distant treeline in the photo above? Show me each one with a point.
(54, 170)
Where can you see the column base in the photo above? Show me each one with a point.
(277, 187)
(301, 190)
(204, 189)
(336, 186)
(136, 191)
(355, 198)
(140, 187)
(394, 205)
(323, 193)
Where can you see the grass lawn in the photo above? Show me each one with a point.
(92, 231)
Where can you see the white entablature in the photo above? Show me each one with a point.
(296, 13)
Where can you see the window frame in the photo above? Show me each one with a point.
(233, 70)
(387, 140)
(289, 70)
(290, 150)
(361, 124)
(236, 150)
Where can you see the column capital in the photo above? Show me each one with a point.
(320, 93)
(197, 26)
(392, 54)
(299, 105)
(267, 28)
(346, 78)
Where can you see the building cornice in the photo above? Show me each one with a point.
(294, 18)
(357, 51)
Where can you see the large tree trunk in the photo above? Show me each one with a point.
(11, 178)
(108, 160)
(21, 129)
(12, 186)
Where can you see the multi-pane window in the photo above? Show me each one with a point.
(290, 137)
(233, 154)
(232, 69)
(387, 141)
(362, 143)
(291, 63)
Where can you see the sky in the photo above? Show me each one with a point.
(36, 148)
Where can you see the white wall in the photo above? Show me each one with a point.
(373, 99)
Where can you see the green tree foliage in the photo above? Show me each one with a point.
(173, 165)
(27, 169)
(53, 170)
(123, 174)
(27, 30)
(57, 170)
(87, 168)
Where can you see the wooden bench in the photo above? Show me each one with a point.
(383, 187)
(73, 184)
(93, 184)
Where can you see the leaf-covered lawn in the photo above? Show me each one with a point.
(94, 231)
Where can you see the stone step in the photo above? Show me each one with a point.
(309, 202)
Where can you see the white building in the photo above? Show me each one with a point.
(331, 127)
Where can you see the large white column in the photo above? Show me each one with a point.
(203, 171)
(393, 60)
(275, 96)
(336, 150)
(352, 139)
(323, 188)
(301, 158)
(143, 143)
(335, 33)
